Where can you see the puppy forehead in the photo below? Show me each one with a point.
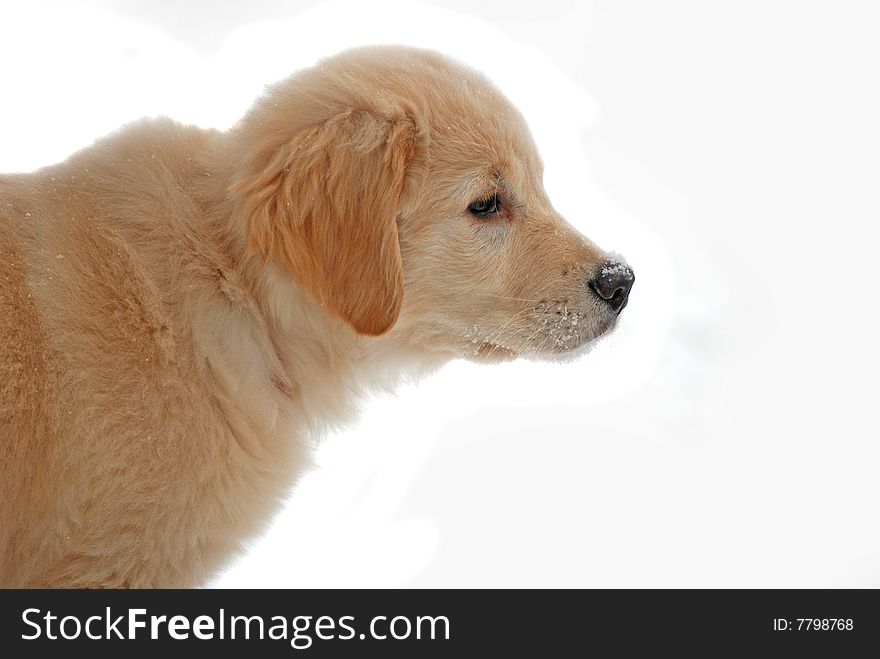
(459, 106)
(483, 143)
(479, 113)
(476, 137)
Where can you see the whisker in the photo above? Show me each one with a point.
(493, 337)
(539, 328)
(518, 299)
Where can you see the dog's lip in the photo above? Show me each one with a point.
(496, 351)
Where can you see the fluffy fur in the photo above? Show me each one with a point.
(182, 310)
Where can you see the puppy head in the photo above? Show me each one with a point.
(403, 193)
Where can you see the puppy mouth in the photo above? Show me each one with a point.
(572, 347)
(566, 331)
(554, 340)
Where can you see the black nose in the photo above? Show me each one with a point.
(613, 283)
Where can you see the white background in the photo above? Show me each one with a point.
(726, 435)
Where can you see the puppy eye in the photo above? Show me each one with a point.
(483, 208)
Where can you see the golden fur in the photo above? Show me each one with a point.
(181, 309)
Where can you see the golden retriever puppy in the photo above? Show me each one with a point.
(181, 310)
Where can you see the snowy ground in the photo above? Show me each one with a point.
(727, 435)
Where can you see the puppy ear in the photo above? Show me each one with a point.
(324, 206)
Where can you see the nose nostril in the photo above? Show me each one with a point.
(612, 284)
(618, 301)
